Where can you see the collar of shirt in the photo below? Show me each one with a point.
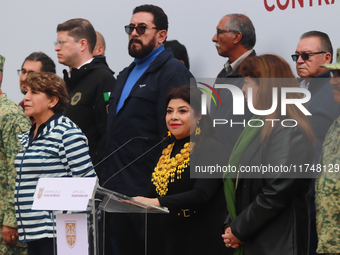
(238, 61)
(304, 84)
(323, 75)
(87, 62)
(149, 58)
(42, 126)
(314, 82)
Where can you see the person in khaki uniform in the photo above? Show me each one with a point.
(12, 122)
(327, 186)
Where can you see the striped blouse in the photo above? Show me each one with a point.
(59, 150)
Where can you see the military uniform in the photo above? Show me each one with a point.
(327, 188)
(12, 122)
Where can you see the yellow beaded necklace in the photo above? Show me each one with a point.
(166, 167)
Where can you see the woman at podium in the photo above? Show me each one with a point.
(53, 147)
(197, 205)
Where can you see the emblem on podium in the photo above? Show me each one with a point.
(71, 233)
(40, 192)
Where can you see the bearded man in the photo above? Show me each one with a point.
(137, 109)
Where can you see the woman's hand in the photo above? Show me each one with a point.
(151, 201)
(230, 240)
(10, 235)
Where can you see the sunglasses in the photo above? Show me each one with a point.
(305, 56)
(140, 29)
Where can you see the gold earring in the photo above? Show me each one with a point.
(197, 131)
(169, 134)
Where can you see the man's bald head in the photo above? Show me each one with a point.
(99, 49)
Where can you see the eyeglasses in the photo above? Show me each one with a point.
(305, 56)
(219, 31)
(140, 29)
(23, 72)
(59, 43)
(335, 73)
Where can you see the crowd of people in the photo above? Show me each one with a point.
(64, 127)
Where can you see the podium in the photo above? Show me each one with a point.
(118, 203)
(76, 203)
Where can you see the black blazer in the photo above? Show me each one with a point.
(273, 213)
(143, 114)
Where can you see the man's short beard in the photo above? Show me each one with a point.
(23, 91)
(144, 51)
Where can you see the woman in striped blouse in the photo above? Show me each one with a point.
(53, 147)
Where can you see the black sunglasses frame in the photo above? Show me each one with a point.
(140, 29)
(305, 56)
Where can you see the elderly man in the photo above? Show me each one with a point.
(13, 122)
(89, 82)
(137, 109)
(315, 49)
(234, 39)
(327, 186)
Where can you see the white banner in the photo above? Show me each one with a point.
(71, 194)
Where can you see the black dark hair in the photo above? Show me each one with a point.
(192, 95)
(160, 19)
(47, 64)
(325, 42)
(179, 50)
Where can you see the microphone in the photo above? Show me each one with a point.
(120, 147)
(133, 161)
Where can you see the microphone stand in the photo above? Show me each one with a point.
(104, 159)
(133, 161)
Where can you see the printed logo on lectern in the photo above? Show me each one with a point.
(71, 233)
(40, 192)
